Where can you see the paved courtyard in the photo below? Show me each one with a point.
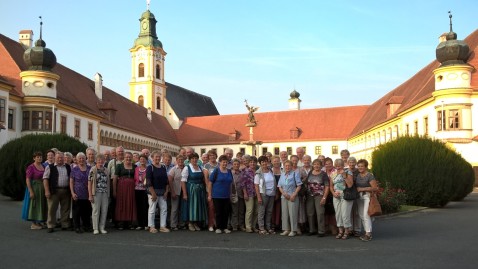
(431, 238)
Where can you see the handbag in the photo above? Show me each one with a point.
(374, 208)
(351, 193)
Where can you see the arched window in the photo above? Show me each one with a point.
(158, 72)
(141, 70)
(141, 100)
(158, 102)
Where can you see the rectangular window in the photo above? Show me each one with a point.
(425, 125)
(203, 150)
(26, 120)
(289, 150)
(90, 131)
(276, 151)
(243, 150)
(416, 127)
(407, 129)
(2, 110)
(264, 151)
(11, 116)
(441, 120)
(453, 119)
(37, 120)
(63, 124)
(318, 150)
(305, 149)
(335, 149)
(77, 128)
(47, 120)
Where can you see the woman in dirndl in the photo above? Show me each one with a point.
(123, 190)
(193, 184)
(34, 204)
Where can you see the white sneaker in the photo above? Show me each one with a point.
(285, 233)
(227, 231)
(218, 231)
(211, 229)
(96, 232)
(103, 231)
(292, 234)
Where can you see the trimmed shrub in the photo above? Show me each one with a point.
(17, 154)
(430, 173)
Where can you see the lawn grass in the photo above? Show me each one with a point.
(405, 208)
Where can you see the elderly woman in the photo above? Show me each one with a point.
(123, 191)
(174, 177)
(317, 192)
(266, 186)
(250, 195)
(68, 158)
(193, 184)
(98, 193)
(34, 205)
(157, 185)
(366, 184)
(289, 186)
(301, 215)
(356, 222)
(210, 165)
(330, 221)
(341, 180)
(79, 194)
(141, 198)
(237, 198)
(276, 210)
(219, 191)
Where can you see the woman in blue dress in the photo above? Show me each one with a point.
(193, 184)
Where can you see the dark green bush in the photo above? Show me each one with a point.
(430, 173)
(17, 154)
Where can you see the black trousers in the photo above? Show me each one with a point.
(222, 206)
(82, 213)
(142, 207)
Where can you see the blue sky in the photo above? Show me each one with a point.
(335, 53)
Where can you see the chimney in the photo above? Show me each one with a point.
(99, 86)
(442, 38)
(26, 38)
(150, 117)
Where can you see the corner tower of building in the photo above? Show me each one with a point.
(453, 92)
(147, 84)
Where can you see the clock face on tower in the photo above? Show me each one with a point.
(144, 25)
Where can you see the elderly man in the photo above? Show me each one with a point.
(107, 155)
(111, 168)
(189, 152)
(56, 182)
(229, 154)
(90, 157)
(283, 157)
(300, 151)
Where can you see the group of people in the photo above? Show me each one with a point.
(265, 195)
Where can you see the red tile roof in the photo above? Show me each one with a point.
(78, 91)
(314, 124)
(415, 90)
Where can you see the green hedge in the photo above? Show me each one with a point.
(17, 154)
(430, 173)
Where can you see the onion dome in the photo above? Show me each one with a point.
(294, 94)
(39, 57)
(147, 36)
(452, 51)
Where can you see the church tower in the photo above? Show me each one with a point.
(147, 84)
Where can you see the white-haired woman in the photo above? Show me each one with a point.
(79, 194)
